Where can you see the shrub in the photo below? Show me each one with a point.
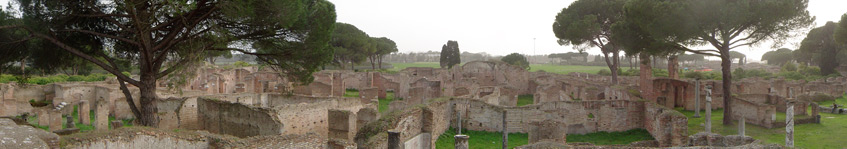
(604, 72)
(241, 64)
(789, 66)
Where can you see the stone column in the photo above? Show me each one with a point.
(696, 98)
(709, 109)
(101, 115)
(789, 124)
(505, 132)
(84, 112)
(461, 141)
(55, 119)
(394, 140)
(816, 112)
(741, 125)
(43, 116)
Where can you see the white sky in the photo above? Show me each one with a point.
(497, 27)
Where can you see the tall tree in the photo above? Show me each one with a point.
(679, 24)
(384, 46)
(516, 60)
(450, 54)
(9, 51)
(588, 23)
(164, 37)
(821, 45)
(777, 57)
(738, 55)
(351, 45)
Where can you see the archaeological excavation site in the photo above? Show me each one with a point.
(251, 108)
(378, 74)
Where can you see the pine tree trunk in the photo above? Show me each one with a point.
(148, 101)
(726, 64)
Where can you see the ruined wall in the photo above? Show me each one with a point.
(143, 141)
(235, 119)
(754, 113)
(580, 116)
(311, 116)
(667, 126)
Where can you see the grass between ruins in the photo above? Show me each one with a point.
(827, 134)
(33, 120)
(484, 139)
(526, 99)
(383, 102)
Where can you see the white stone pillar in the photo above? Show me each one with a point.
(789, 124)
(709, 109)
(741, 125)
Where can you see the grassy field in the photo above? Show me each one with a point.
(486, 140)
(827, 134)
(840, 101)
(561, 69)
(525, 99)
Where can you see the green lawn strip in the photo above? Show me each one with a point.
(825, 135)
(351, 93)
(840, 101)
(481, 139)
(484, 140)
(611, 138)
(401, 66)
(383, 102)
(526, 99)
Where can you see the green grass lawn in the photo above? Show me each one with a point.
(827, 134)
(401, 66)
(485, 140)
(840, 101)
(481, 139)
(525, 99)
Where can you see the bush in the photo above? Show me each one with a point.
(660, 73)
(741, 74)
(241, 64)
(789, 66)
(604, 72)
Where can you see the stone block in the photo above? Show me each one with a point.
(55, 120)
(66, 131)
(117, 124)
(547, 131)
(84, 112)
(101, 115)
(43, 116)
(369, 93)
(396, 105)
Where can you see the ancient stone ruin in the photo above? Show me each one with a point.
(249, 108)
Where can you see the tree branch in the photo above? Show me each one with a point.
(74, 51)
(101, 35)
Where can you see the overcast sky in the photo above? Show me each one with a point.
(497, 27)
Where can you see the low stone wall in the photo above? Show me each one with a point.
(144, 141)
(419, 126)
(668, 126)
(237, 119)
(754, 113)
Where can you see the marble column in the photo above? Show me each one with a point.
(505, 132)
(709, 109)
(789, 124)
